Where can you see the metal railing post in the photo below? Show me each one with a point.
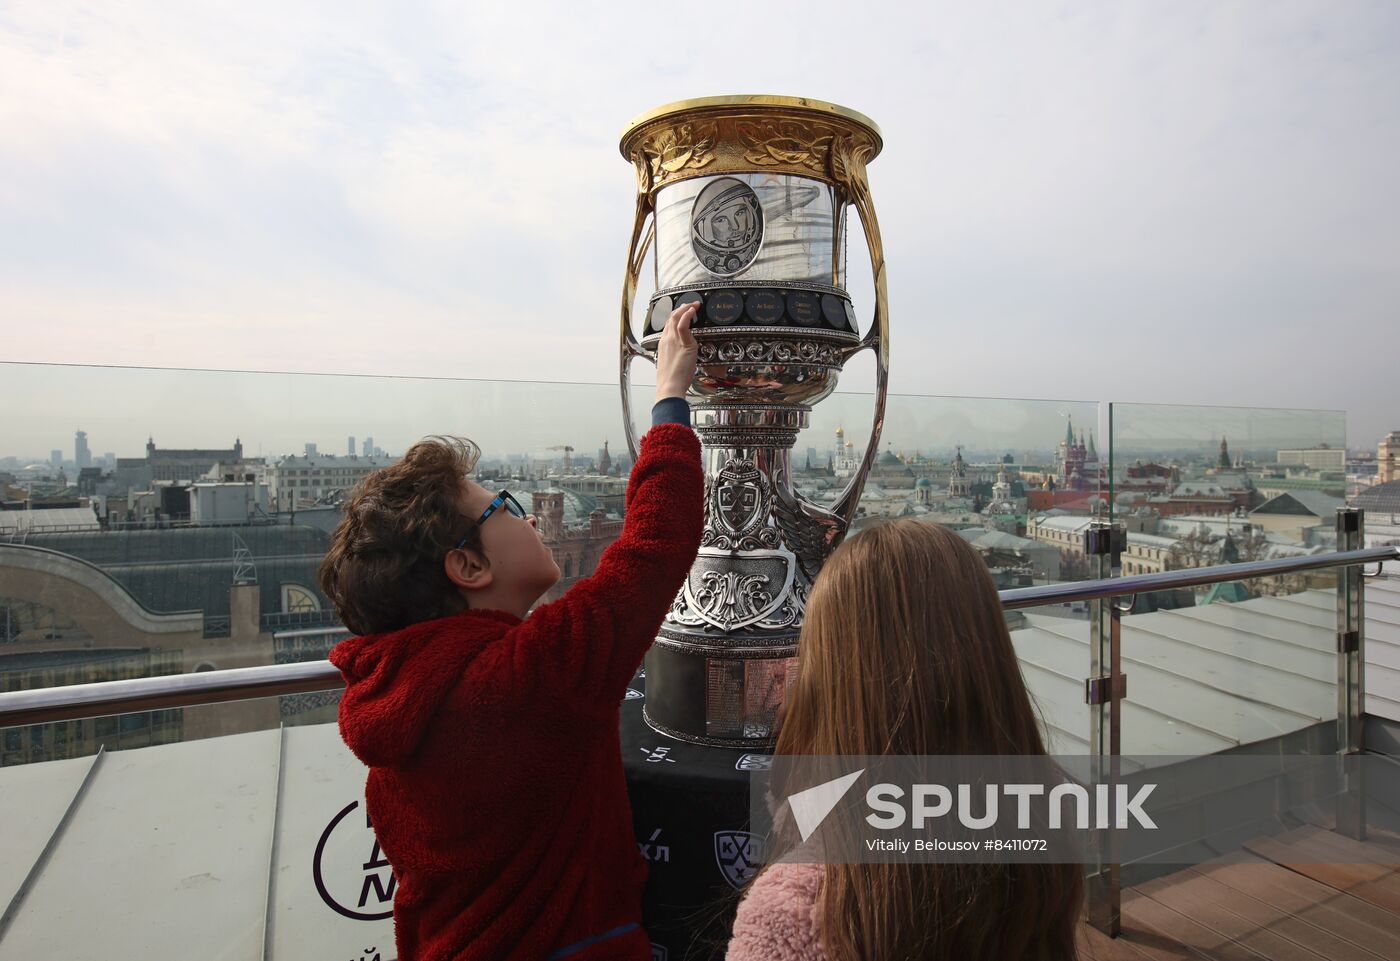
(1104, 690)
(1351, 670)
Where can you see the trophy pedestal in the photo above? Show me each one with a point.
(705, 697)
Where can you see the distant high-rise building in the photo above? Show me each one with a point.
(81, 455)
(1321, 457)
(350, 446)
(175, 464)
(56, 458)
(311, 450)
(297, 480)
(369, 446)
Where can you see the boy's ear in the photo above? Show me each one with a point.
(468, 569)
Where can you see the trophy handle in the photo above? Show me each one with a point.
(877, 339)
(643, 230)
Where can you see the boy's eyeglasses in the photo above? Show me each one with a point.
(503, 499)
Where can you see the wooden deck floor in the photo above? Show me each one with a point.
(1285, 899)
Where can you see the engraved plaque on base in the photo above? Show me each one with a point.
(724, 698)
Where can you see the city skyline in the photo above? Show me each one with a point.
(277, 414)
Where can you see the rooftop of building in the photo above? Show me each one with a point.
(1000, 540)
(1301, 503)
(1067, 523)
(314, 461)
(48, 519)
(1380, 498)
(168, 570)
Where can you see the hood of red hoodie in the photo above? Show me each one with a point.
(396, 682)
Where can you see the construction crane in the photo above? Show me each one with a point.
(568, 455)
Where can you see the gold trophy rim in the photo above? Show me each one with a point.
(776, 103)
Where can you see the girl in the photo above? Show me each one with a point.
(905, 652)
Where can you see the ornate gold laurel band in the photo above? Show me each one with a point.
(718, 135)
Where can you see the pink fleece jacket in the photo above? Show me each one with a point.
(779, 917)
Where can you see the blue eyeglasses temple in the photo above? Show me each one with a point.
(496, 503)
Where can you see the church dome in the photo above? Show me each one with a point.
(923, 482)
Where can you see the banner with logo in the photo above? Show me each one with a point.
(332, 890)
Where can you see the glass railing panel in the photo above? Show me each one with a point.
(1243, 665)
(1174, 460)
(1052, 646)
(252, 844)
(52, 742)
(1247, 665)
(1019, 478)
(185, 532)
(1382, 626)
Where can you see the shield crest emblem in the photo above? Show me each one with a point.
(739, 855)
(738, 503)
(730, 591)
(737, 499)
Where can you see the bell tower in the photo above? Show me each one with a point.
(548, 508)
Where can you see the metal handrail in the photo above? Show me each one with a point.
(51, 704)
(1023, 597)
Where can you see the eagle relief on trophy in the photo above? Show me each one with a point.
(744, 200)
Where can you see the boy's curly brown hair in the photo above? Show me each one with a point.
(384, 569)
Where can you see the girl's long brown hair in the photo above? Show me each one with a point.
(905, 651)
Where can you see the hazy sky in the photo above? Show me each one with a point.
(1186, 202)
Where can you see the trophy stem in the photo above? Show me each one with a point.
(727, 652)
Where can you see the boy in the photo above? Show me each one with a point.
(496, 787)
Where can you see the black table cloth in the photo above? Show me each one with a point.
(690, 813)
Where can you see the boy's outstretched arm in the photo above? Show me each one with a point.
(589, 643)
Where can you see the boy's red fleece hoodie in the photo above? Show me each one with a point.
(496, 786)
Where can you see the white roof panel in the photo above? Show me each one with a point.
(33, 802)
(197, 818)
(52, 518)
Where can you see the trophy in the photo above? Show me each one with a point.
(744, 200)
